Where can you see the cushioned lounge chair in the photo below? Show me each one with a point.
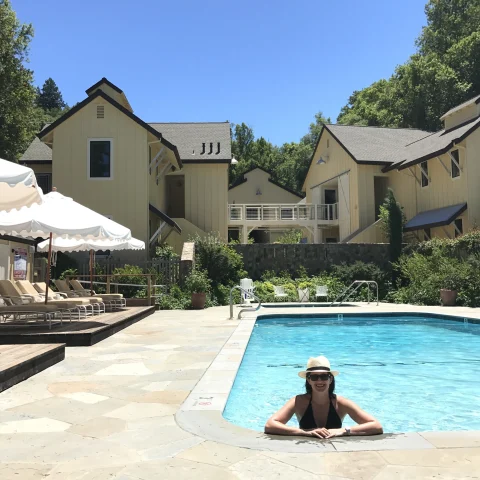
(116, 299)
(32, 311)
(17, 297)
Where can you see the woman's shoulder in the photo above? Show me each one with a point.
(302, 398)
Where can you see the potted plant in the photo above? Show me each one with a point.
(448, 294)
(198, 284)
(303, 292)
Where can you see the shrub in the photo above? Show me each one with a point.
(290, 236)
(224, 266)
(197, 282)
(72, 272)
(130, 274)
(175, 299)
(166, 251)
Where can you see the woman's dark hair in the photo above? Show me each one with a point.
(331, 388)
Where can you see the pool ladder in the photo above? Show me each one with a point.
(348, 292)
(246, 292)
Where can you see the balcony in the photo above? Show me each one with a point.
(283, 214)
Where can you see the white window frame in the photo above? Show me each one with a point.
(422, 175)
(457, 164)
(89, 140)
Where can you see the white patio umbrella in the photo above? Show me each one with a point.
(61, 217)
(74, 245)
(18, 186)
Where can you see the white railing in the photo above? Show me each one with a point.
(282, 212)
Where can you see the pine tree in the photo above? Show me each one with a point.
(49, 97)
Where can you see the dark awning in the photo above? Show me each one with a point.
(164, 217)
(435, 218)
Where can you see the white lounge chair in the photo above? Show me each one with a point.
(322, 291)
(279, 292)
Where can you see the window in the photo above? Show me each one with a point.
(328, 143)
(100, 158)
(44, 181)
(427, 234)
(455, 169)
(330, 240)
(424, 174)
(458, 227)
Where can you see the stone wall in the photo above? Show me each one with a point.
(316, 258)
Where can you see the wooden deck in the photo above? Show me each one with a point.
(19, 362)
(76, 333)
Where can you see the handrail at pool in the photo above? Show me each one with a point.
(246, 292)
(350, 291)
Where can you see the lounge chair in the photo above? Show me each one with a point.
(27, 289)
(63, 288)
(279, 292)
(322, 291)
(116, 300)
(32, 311)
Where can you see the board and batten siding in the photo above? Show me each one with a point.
(258, 180)
(125, 195)
(472, 163)
(339, 162)
(206, 196)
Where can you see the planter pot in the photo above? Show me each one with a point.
(303, 294)
(448, 297)
(198, 300)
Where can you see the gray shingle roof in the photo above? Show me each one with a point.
(461, 106)
(37, 151)
(376, 144)
(188, 137)
(435, 144)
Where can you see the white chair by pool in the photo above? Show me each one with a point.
(279, 292)
(322, 291)
(247, 285)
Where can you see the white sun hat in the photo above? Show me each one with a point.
(317, 365)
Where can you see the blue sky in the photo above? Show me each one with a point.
(269, 63)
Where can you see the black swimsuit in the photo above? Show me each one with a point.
(307, 422)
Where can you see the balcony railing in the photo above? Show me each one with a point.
(283, 212)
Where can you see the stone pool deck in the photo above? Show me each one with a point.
(126, 409)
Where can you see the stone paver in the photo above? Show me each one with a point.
(119, 411)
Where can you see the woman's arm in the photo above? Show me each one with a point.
(367, 424)
(276, 424)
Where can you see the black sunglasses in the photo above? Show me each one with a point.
(318, 376)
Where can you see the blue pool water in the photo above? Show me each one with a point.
(412, 373)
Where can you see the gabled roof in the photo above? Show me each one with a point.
(242, 180)
(37, 152)
(128, 113)
(189, 138)
(435, 144)
(100, 82)
(474, 100)
(374, 145)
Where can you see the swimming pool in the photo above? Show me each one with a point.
(413, 372)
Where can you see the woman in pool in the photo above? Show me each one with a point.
(319, 411)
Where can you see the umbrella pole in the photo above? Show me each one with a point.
(49, 266)
(91, 273)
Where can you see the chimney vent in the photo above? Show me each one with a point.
(211, 148)
(203, 149)
(218, 148)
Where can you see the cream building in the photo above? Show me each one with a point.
(433, 176)
(165, 181)
(261, 208)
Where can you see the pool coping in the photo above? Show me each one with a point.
(202, 411)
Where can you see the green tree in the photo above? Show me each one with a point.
(49, 96)
(392, 222)
(17, 94)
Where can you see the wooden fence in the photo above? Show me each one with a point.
(168, 269)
